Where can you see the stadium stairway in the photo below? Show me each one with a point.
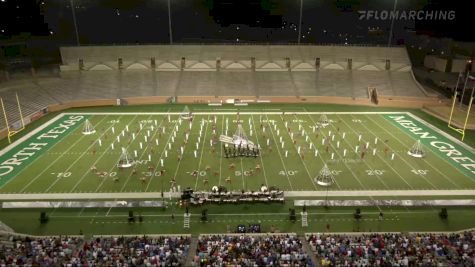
(308, 249)
(191, 252)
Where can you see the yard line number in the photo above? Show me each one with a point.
(420, 172)
(375, 172)
(61, 174)
(294, 172)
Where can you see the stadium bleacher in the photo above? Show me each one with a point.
(395, 249)
(273, 75)
(249, 250)
(327, 249)
(99, 251)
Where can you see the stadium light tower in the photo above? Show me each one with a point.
(300, 22)
(71, 2)
(392, 25)
(169, 23)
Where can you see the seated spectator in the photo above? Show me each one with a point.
(133, 251)
(222, 250)
(395, 249)
(110, 251)
(48, 251)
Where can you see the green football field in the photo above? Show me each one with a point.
(364, 151)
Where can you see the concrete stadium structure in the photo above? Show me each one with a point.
(201, 73)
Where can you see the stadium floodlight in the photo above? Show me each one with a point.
(88, 128)
(324, 177)
(416, 150)
(73, 12)
(323, 121)
(125, 160)
(186, 114)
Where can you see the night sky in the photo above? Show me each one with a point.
(218, 21)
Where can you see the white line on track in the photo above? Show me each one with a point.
(181, 159)
(300, 194)
(78, 158)
(298, 156)
(143, 153)
(221, 154)
(53, 162)
(339, 155)
(383, 160)
(203, 144)
(161, 155)
(30, 134)
(234, 113)
(93, 164)
(260, 154)
(405, 161)
(278, 151)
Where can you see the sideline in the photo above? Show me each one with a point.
(157, 195)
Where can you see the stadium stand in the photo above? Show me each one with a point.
(250, 250)
(136, 251)
(215, 71)
(321, 249)
(45, 251)
(100, 251)
(394, 249)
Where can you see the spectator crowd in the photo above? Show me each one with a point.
(377, 249)
(101, 251)
(46, 251)
(395, 249)
(248, 250)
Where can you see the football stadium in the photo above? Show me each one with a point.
(246, 152)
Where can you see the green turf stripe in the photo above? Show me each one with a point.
(15, 160)
(455, 154)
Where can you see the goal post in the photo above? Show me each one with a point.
(12, 132)
(453, 127)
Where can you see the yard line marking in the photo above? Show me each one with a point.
(403, 159)
(143, 153)
(346, 165)
(298, 156)
(240, 112)
(298, 194)
(30, 134)
(93, 164)
(280, 156)
(53, 162)
(181, 159)
(78, 158)
(368, 164)
(163, 152)
(242, 176)
(354, 175)
(260, 154)
(126, 147)
(389, 165)
(108, 211)
(439, 131)
(258, 214)
(203, 144)
(81, 211)
(221, 156)
(451, 138)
